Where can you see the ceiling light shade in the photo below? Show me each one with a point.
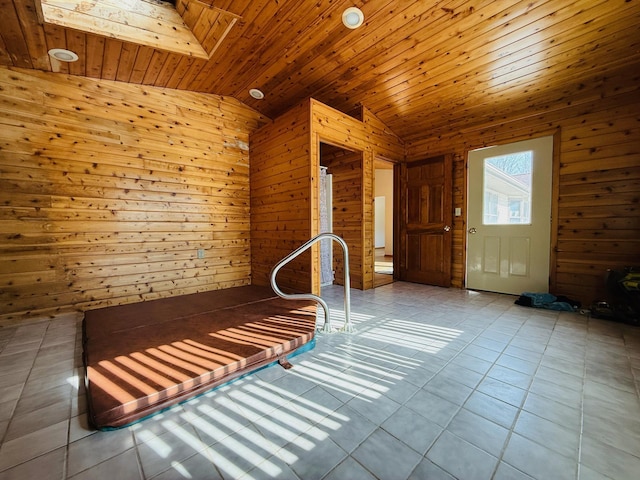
(257, 94)
(63, 55)
(352, 17)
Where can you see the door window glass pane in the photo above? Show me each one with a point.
(490, 207)
(507, 189)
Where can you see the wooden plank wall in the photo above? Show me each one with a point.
(108, 190)
(281, 181)
(597, 195)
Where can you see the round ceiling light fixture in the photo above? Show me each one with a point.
(257, 94)
(63, 55)
(352, 17)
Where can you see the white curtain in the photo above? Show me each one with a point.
(326, 269)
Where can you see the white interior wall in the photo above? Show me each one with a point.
(380, 221)
(384, 188)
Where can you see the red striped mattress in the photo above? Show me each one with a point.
(142, 358)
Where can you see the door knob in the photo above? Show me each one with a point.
(447, 228)
(472, 230)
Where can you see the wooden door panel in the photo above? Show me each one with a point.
(414, 205)
(426, 258)
(435, 208)
(425, 240)
(412, 252)
(425, 206)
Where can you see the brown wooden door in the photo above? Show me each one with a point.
(425, 221)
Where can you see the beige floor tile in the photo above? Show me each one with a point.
(19, 450)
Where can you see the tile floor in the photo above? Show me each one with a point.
(436, 384)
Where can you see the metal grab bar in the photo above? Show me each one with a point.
(347, 328)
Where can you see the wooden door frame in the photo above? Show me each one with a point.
(397, 199)
(315, 168)
(555, 191)
(394, 208)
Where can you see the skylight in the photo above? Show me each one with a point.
(190, 28)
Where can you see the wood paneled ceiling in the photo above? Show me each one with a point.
(423, 67)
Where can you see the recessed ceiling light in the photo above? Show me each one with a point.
(352, 17)
(63, 55)
(257, 94)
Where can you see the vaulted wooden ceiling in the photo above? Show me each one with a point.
(423, 67)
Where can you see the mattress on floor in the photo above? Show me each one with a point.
(144, 357)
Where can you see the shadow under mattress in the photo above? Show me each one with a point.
(144, 357)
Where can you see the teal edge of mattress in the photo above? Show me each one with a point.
(304, 348)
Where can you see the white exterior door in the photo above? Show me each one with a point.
(509, 217)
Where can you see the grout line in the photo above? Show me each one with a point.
(584, 377)
(77, 345)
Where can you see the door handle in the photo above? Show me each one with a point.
(447, 228)
(472, 230)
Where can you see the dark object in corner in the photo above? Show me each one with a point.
(547, 301)
(623, 292)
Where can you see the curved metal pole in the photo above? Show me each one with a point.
(310, 296)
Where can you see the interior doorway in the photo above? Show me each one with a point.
(383, 221)
(343, 172)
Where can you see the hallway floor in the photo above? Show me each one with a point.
(436, 384)
(383, 269)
